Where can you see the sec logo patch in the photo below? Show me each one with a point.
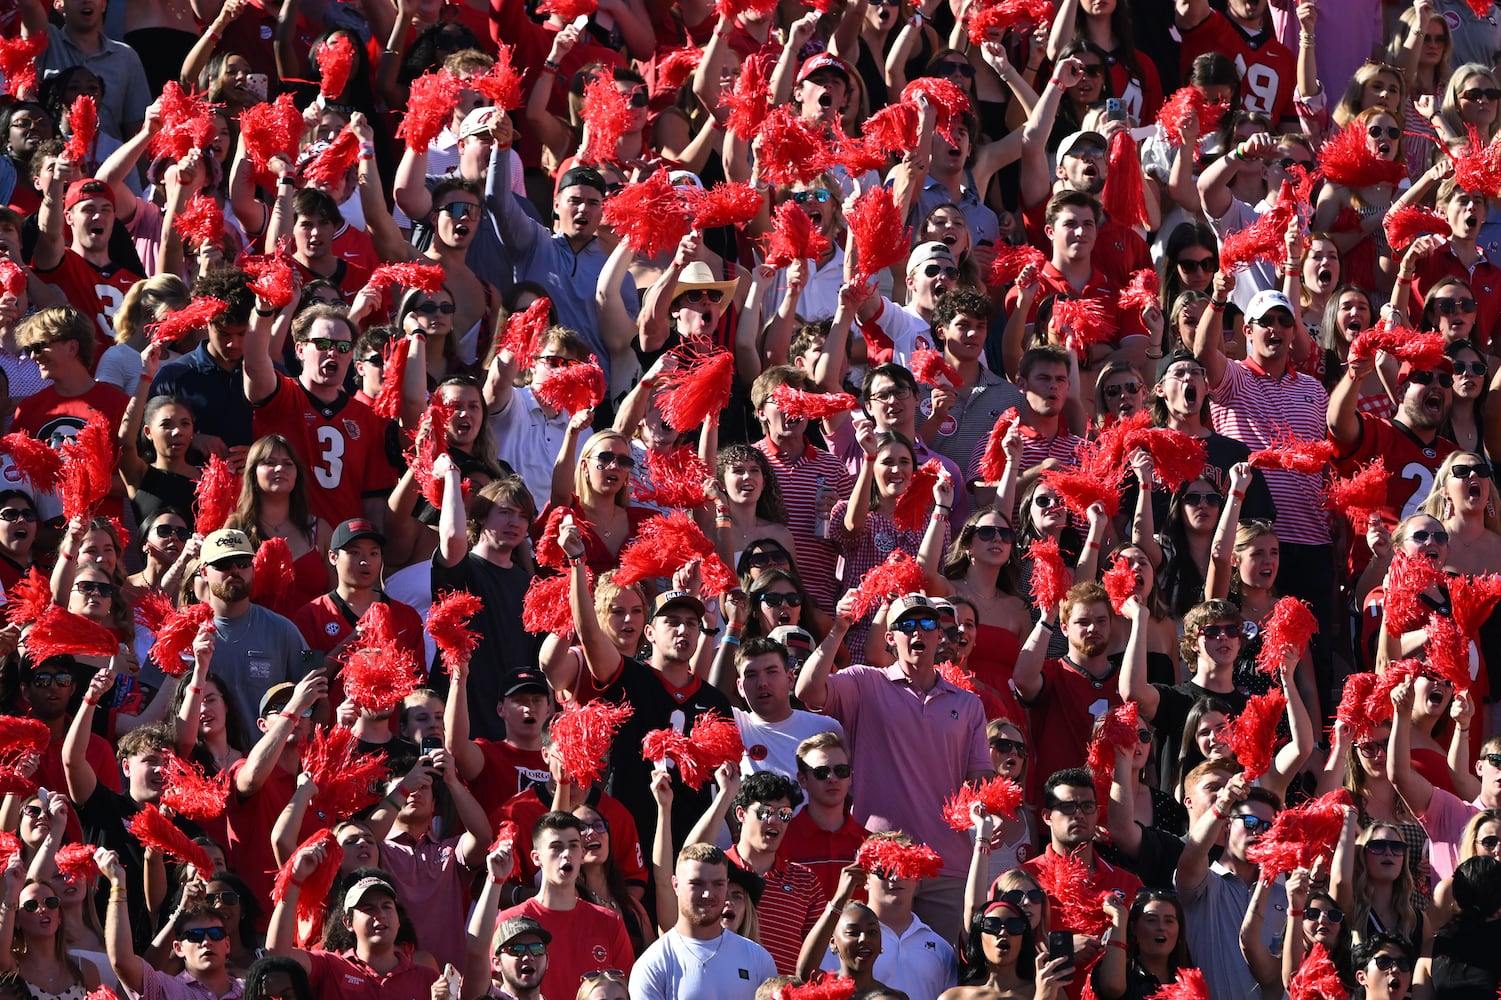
(757, 752)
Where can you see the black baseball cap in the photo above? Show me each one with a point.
(353, 529)
(523, 679)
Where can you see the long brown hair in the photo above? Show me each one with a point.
(247, 515)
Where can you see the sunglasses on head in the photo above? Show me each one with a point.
(606, 459)
(1464, 470)
(1481, 94)
(697, 295)
(1448, 307)
(1329, 913)
(433, 308)
(18, 514)
(598, 974)
(555, 361)
(171, 531)
(1422, 536)
(1387, 847)
(1387, 963)
(782, 600)
(226, 898)
(823, 771)
(1120, 389)
(517, 949)
(329, 344)
(1390, 131)
(819, 195)
(1001, 745)
(994, 533)
(1205, 266)
(44, 681)
(911, 625)
(1221, 631)
(37, 905)
(1012, 926)
(767, 557)
(1016, 897)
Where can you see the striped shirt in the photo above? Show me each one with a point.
(869, 548)
(790, 905)
(1255, 409)
(800, 480)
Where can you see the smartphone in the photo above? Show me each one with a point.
(581, 22)
(41, 796)
(1115, 111)
(431, 743)
(1060, 945)
(258, 84)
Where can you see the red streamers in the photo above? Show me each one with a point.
(545, 609)
(912, 507)
(155, 832)
(881, 239)
(1354, 705)
(501, 83)
(1360, 495)
(19, 59)
(410, 274)
(21, 740)
(790, 150)
(1083, 487)
(993, 462)
(347, 780)
(431, 441)
(83, 128)
(1142, 291)
(201, 221)
(1010, 261)
(1252, 735)
(674, 478)
(1317, 978)
(1289, 627)
(725, 204)
(188, 124)
(999, 796)
(929, 368)
(333, 163)
(662, 745)
(1123, 197)
(945, 97)
(1068, 880)
(30, 596)
(448, 621)
(1263, 240)
(1407, 222)
(1407, 579)
(152, 609)
(827, 987)
(1050, 578)
(1472, 599)
(59, 632)
(549, 552)
(697, 390)
(858, 155)
(568, 10)
(380, 672)
(1120, 583)
(88, 468)
(992, 22)
(716, 741)
(663, 545)
(1477, 168)
(607, 116)
(797, 404)
(1177, 458)
(215, 495)
(335, 59)
(734, 10)
(748, 103)
(272, 130)
(391, 396)
(314, 889)
(648, 215)
(174, 639)
(272, 279)
(1176, 110)
(893, 128)
(1081, 322)
(1423, 351)
(793, 237)
(1346, 159)
(430, 102)
(888, 858)
(899, 574)
(674, 68)
(189, 792)
(195, 316)
(76, 862)
(1301, 836)
(572, 389)
(34, 459)
(1190, 985)
(524, 331)
(582, 736)
(1294, 454)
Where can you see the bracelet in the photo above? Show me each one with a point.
(549, 64)
(945, 506)
(1045, 625)
(574, 560)
(366, 156)
(1092, 545)
(1239, 496)
(1218, 305)
(1294, 913)
(288, 715)
(194, 689)
(730, 640)
(287, 180)
(67, 556)
(392, 798)
(1218, 813)
(870, 459)
(264, 312)
(982, 846)
(1404, 277)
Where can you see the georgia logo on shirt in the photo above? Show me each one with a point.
(757, 752)
(599, 953)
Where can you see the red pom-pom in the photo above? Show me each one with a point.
(648, 215)
(664, 544)
(725, 204)
(1294, 454)
(271, 130)
(271, 584)
(912, 507)
(333, 163)
(1190, 985)
(1076, 901)
(549, 552)
(189, 792)
(28, 598)
(716, 741)
(507, 835)
(790, 150)
(380, 672)
(390, 398)
(674, 478)
(215, 495)
(20, 736)
(572, 389)
(1407, 222)
(1361, 494)
(793, 237)
(945, 97)
(1141, 291)
(410, 274)
(58, 632)
(335, 59)
(1471, 601)
(1477, 167)
(582, 736)
(1050, 578)
(881, 239)
(1263, 240)
(1317, 978)
(1406, 579)
(19, 59)
(1354, 704)
(962, 679)
(347, 779)
(1123, 197)
(1290, 626)
(893, 128)
(859, 154)
(524, 331)
(76, 862)
(101, 993)
(929, 368)
(430, 101)
(748, 103)
(993, 462)
(1346, 160)
(88, 468)
(545, 609)
(272, 279)
(1423, 351)
(1010, 261)
(314, 889)
(993, 22)
(1116, 732)
(697, 389)
(899, 574)
(83, 128)
(1000, 797)
(448, 624)
(201, 221)
(1083, 321)
(826, 987)
(887, 859)
(173, 645)
(500, 85)
(1083, 487)
(430, 442)
(1300, 836)
(733, 10)
(1177, 458)
(155, 832)
(607, 116)
(188, 124)
(674, 68)
(797, 404)
(1120, 583)
(663, 745)
(196, 315)
(12, 278)
(568, 10)
(1252, 735)
(1184, 102)
(1447, 651)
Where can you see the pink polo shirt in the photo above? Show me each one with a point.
(910, 750)
(1444, 821)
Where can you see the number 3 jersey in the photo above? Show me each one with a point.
(341, 446)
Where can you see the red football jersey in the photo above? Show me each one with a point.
(93, 291)
(1267, 68)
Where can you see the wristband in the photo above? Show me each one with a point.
(730, 640)
(67, 556)
(393, 799)
(870, 459)
(117, 892)
(982, 846)
(1241, 495)
(194, 689)
(264, 312)
(944, 506)
(1116, 943)
(1217, 305)
(1218, 813)
(1092, 545)
(288, 715)
(287, 181)
(1294, 913)
(574, 560)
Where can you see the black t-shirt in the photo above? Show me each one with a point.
(503, 644)
(1173, 705)
(1222, 454)
(1466, 961)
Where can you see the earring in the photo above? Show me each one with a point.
(1448, 508)
(1490, 508)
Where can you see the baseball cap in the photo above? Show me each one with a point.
(930, 251)
(1176, 357)
(477, 122)
(354, 529)
(365, 887)
(908, 605)
(824, 60)
(1264, 302)
(1075, 138)
(667, 598)
(587, 176)
(685, 179)
(512, 928)
(224, 544)
(89, 187)
(1404, 373)
(798, 641)
(753, 884)
(523, 679)
(276, 694)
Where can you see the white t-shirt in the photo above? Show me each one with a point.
(918, 962)
(729, 967)
(772, 746)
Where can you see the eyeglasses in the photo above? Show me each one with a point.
(433, 308)
(819, 195)
(1001, 745)
(171, 531)
(1438, 535)
(1329, 913)
(1280, 319)
(226, 898)
(329, 344)
(1252, 824)
(95, 587)
(766, 814)
(1448, 307)
(18, 514)
(534, 948)
(823, 771)
(1087, 807)
(606, 459)
(934, 270)
(1387, 963)
(1371, 748)
(994, 533)
(598, 826)
(1046, 502)
(1186, 373)
(1391, 131)
(1488, 843)
(1012, 926)
(1464, 471)
(1470, 368)
(1387, 847)
(37, 905)
(1208, 499)
(697, 295)
(234, 562)
(557, 361)
(460, 209)
(779, 600)
(911, 625)
(44, 681)
(1122, 389)
(768, 557)
(1203, 266)
(1481, 94)
(1220, 631)
(892, 395)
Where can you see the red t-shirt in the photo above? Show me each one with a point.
(525, 808)
(1268, 69)
(1099, 286)
(342, 444)
(1063, 714)
(585, 939)
(1484, 281)
(250, 822)
(1410, 467)
(349, 275)
(356, 246)
(346, 977)
(826, 852)
(94, 291)
(507, 772)
(54, 418)
(1118, 249)
(325, 621)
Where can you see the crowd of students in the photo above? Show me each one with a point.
(1063, 458)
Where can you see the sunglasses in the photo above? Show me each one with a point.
(1386, 847)
(780, 600)
(1186, 372)
(554, 361)
(460, 209)
(1120, 389)
(1371, 748)
(639, 98)
(1434, 39)
(1001, 745)
(32, 811)
(768, 557)
(1088, 808)
(32, 350)
(171, 531)
(1206, 266)
(1221, 631)
(1281, 319)
(994, 533)
(1012, 926)
(1387, 963)
(1438, 535)
(1481, 94)
(1094, 71)
(598, 826)
(1470, 368)
(697, 295)
(18, 514)
(1464, 471)
(1209, 499)
(934, 270)
(1488, 843)
(606, 459)
(1046, 502)
(1016, 897)
(1493, 759)
(766, 814)
(1329, 913)
(598, 974)
(44, 681)
(1287, 163)
(963, 69)
(823, 771)
(37, 905)
(534, 948)
(226, 898)
(1448, 307)
(911, 625)
(433, 308)
(95, 587)
(1085, 152)
(235, 562)
(1144, 736)
(329, 344)
(1252, 824)
(803, 197)
(1390, 131)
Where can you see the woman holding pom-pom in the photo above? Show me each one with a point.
(1352, 216)
(33, 938)
(154, 463)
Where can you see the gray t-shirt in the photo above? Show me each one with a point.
(254, 652)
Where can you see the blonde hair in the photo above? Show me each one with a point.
(1349, 104)
(592, 447)
(1402, 888)
(1433, 504)
(146, 302)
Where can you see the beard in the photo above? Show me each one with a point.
(231, 589)
(1093, 649)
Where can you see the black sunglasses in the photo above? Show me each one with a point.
(171, 531)
(768, 557)
(1013, 926)
(1279, 318)
(605, 459)
(1489, 843)
(1391, 132)
(1206, 499)
(1481, 94)
(1386, 847)
(639, 98)
(1122, 389)
(234, 562)
(1094, 70)
(198, 935)
(1444, 379)
(963, 69)
(1252, 823)
(1088, 807)
(1448, 307)
(697, 295)
(433, 308)
(37, 905)
(1221, 631)
(1387, 963)
(43, 681)
(1422, 535)
(95, 587)
(226, 898)
(329, 344)
(1016, 897)
(460, 209)
(1470, 368)
(32, 811)
(1205, 266)
(1461, 470)
(780, 600)
(534, 948)
(1316, 913)
(1001, 745)
(823, 771)
(554, 361)
(994, 533)
(18, 514)
(934, 270)
(911, 625)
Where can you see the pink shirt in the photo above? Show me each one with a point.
(911, 750)
(1444, 821)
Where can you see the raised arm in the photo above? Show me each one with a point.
(1204, 833)
(563, 464)
(1342, 871)
(601, 657)
(1209, 337)
(128, 966)
(1132, 679)
(466, 753)
(51, 218)
(857, 511)
(518, 231)
(1037, 176)
(1222, 549)
(132, 466)
(1027, 675)
(1264, 966)
(616, 325)
(1120, 819)
(813, 678)
(79, 774)
(453, 525)
(282, 931)
(726, 787)
(1411, 785)
(663, 855)
(203, 49)
(263, 758)
(284, 832)
(1289, 759)
(479, 934)
(816, 944)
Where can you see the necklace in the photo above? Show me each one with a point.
(703, 963)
